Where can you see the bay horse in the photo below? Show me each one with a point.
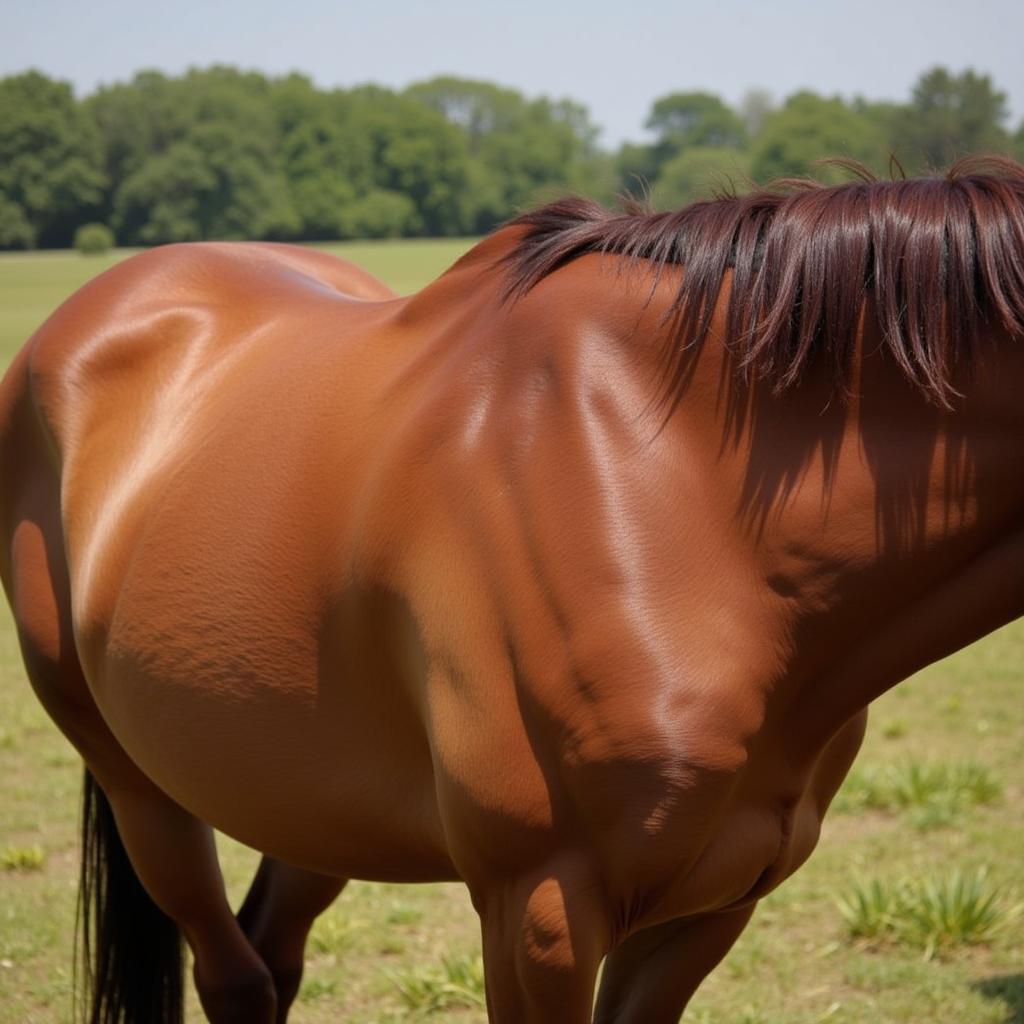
(570, 576)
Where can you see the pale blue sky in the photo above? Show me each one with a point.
(613, 61)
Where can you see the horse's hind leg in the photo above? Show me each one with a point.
(277, 914)
(175, 858)
(170, 851)
(651, 976)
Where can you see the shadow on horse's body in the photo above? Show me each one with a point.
(562, 577)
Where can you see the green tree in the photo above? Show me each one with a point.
(522, 151)
(480, 109)
(136, 120)
(809, 128)
(754, 108)
(326, 161)
(15, 230)
(698, 172)
(680, 121)
(51, 175)
(951, 115)
(160, 202)
(380, 214)
(416, 152)
(221, 153)
(636, 168)
(887, 120)
(684, 119)
(193, 157)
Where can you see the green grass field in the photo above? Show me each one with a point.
(939, 786)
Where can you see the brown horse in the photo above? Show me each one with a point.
(571, 576)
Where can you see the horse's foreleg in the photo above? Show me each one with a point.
(543, 937)
(652, 975)
(277, 914)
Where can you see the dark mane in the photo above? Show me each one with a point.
(942, 257)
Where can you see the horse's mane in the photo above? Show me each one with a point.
(942, 258)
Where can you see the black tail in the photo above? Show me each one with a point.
(130, 949)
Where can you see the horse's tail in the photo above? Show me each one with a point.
(130, 949)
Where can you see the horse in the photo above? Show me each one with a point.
(570, 576)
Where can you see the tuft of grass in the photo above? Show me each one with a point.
(457, 983)
(751, 1015)
(931, 914)
(333, 934)
(389, 945)
(870, 910)
(932, 815)
(895, 729)
(404, 915)
(976, 783)
(22, 858)
(961, 910)
(317, 988)
(931, 791)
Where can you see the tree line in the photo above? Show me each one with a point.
(229, 154)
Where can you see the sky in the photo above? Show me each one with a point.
(615, 58)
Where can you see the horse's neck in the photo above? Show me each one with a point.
(856, 540)
(887, 533)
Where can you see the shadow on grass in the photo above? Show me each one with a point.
(1010, 989)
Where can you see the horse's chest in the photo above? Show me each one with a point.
(725, 844)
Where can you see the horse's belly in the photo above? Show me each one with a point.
(292, 728)
(332, 788)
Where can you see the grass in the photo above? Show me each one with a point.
(956, 728)
(458, 983)
(22, 858)
(932, 914)
(929, 793)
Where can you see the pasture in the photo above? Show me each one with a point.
(878, 927)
